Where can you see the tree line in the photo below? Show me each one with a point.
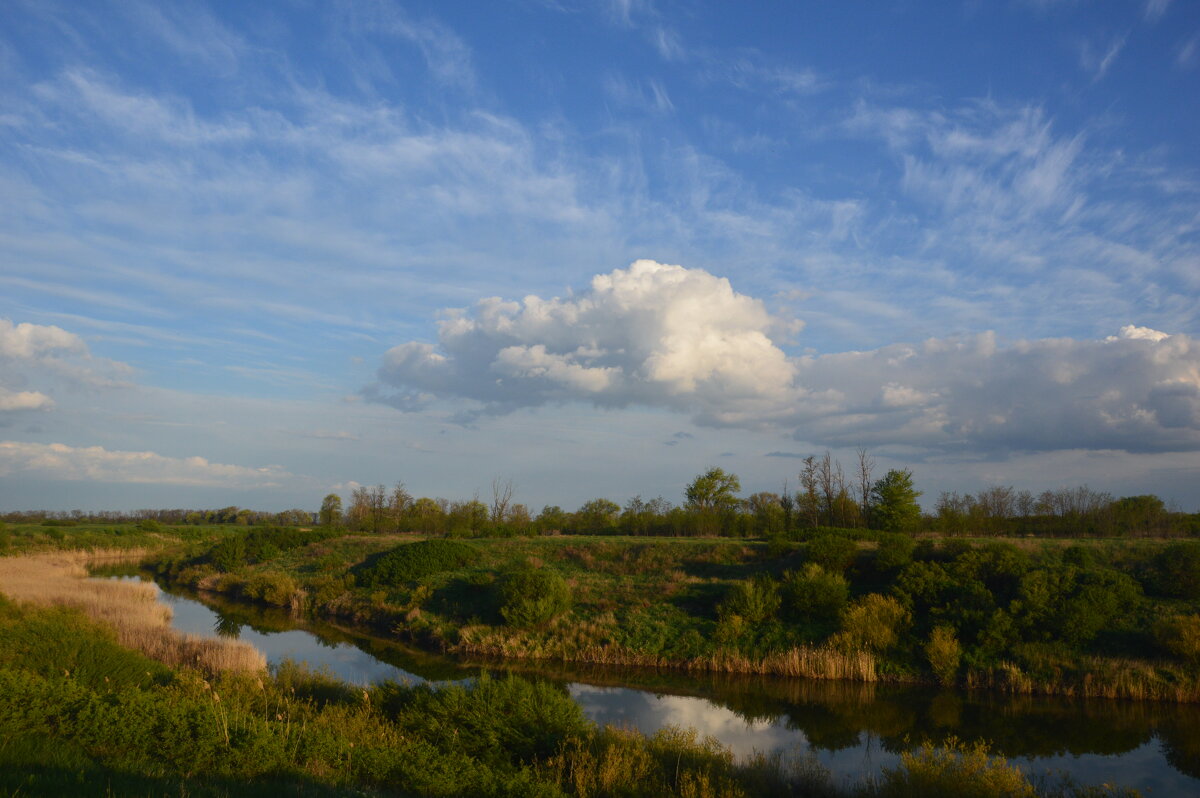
(827, 496)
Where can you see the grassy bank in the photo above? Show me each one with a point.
(1090, 620)
(82, 715)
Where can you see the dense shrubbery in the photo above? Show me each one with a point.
(413, 561)
(261, 544)
(533, 596)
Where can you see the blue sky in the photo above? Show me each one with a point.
(254, 252)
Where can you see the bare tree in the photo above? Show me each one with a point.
(810, 503)
(502, 493)
(866, 464)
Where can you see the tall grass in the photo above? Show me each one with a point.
(131, 609)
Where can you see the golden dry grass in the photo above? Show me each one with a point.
(132, 609)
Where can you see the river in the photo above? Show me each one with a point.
(853, 730)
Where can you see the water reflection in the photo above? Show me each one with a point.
(853, 729)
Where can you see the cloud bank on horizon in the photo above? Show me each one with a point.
(683, 339)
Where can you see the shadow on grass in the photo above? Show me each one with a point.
(35, 765)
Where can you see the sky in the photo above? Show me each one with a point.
(253, 253)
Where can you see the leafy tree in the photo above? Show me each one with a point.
(597, 516)
(895, 501)
(331, 510)
(713, 490)
(710, 496)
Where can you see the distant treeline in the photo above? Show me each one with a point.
(225, 515)
(826, 497)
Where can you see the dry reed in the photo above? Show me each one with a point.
(131, 609)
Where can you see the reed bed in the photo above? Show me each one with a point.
(821, 662)
(131, 609)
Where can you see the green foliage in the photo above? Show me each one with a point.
(943, 652)
(1072, 605)
(150, 525)
(496, 721)
(895, 551)
(261, 544)
(834, 553)
(1177, 569)
(269, 587)
(1180, 635)
(753, 600)
(715, 489)
(533, 596)
(331, 510)
(52, 641)
(412, 561)
(814, 595)
(954, 770)
(873, 622)
(894, 499)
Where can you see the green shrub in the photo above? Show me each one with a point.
(150, 525)
(1180, 634)
(834, 553)
(943, 652)
(270, 587)
(873, 622)
(814, 594)
(533, 596)
(412, 561)
(1178, 569)
(895, 551)
(954, 770)
(753, 600)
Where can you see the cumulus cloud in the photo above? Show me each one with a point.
(651, 334)
(683, 339)
(97, 464)
(45, 352)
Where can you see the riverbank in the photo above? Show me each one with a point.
(115, 722)
(747, 607)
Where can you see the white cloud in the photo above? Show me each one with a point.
(50, 354)
(27, 341)
(683, 339)
(24, 400)
(652, 334)
(96, 464)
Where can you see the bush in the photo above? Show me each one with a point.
(956, 770)
(150, 525)
(814, 594)
(834, 553)
(1178, 569)
(753, 600)
(533, 596)
(413, 561)
(1180, 634)
(270, 587)
(894, 552)
(873, 622)
(943, 653)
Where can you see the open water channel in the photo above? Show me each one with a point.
(854, 730)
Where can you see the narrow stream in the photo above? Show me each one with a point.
(854, 730)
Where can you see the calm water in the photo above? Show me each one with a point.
(855, 730)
